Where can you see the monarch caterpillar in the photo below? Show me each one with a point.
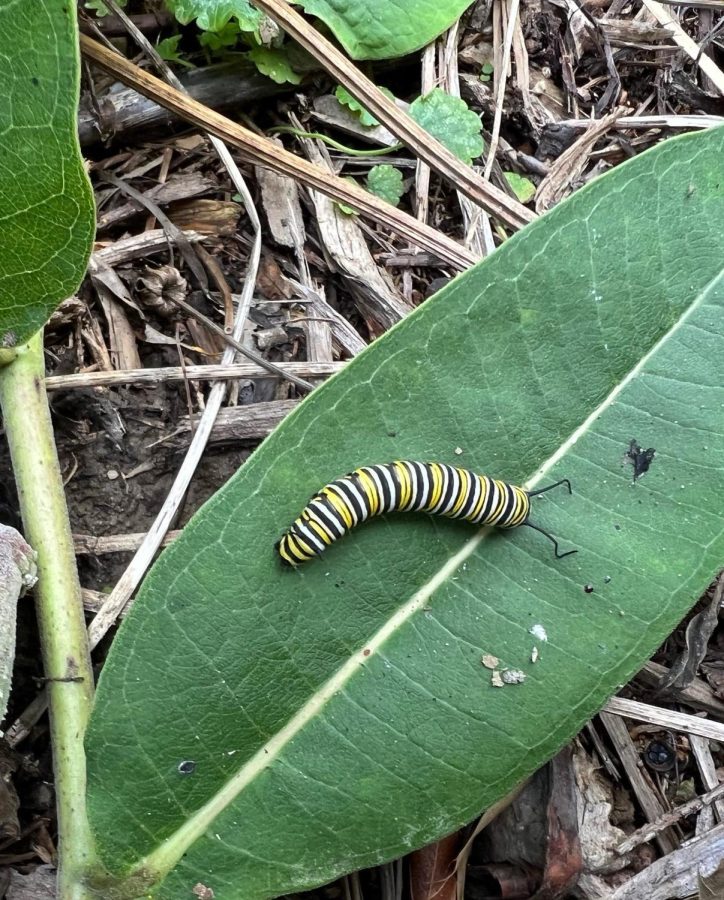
(402, 486)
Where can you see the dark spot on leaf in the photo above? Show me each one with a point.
(34, 81)
(186, 767)
(588, 588)
(176, 604)
(607, 579)
(639, 458)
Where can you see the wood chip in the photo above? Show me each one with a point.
(206, 217)
(180, 187)
(192, 373)
(280, 201)
(705, 63)
(676, 875)
(570, 164)
(237, 423)
(350, 256)
(639, 779)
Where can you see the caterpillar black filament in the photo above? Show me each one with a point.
(402, 486)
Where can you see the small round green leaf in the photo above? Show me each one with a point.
(385, 181)
(451, 121)
(223, 39)
(168, 50)
(523, 187)
(365, 118)
(100, 8)
(274, 63)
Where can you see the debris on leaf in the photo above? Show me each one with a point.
(639, 458)
(512, 676)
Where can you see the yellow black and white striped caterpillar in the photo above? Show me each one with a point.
(403, 486)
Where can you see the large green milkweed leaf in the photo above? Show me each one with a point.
(47, 216)
(338, 715)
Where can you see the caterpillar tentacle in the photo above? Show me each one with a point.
(404, 486)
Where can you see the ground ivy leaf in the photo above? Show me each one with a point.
(385, 181)
(274, 64)
(212, 15)
(168, 50)
(223, 39)
(523, 188)
(365, 118)
(100, 8)
(451, 121)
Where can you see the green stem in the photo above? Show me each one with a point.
(287, 129)
(66, 656)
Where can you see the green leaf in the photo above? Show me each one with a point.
(451, 121)
(168, 50)
(212, 15)
(384, 29)
(385, 181)
(338, 715)
(523, 188)
(100, 8)
(274, 64)
(344, 207)
(486, 71)
(365, 118)
(46, 204)
(223, 39)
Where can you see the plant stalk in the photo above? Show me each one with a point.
(66, 657)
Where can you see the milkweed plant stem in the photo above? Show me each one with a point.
(66, 657)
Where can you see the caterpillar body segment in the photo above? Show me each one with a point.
(403, 486)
